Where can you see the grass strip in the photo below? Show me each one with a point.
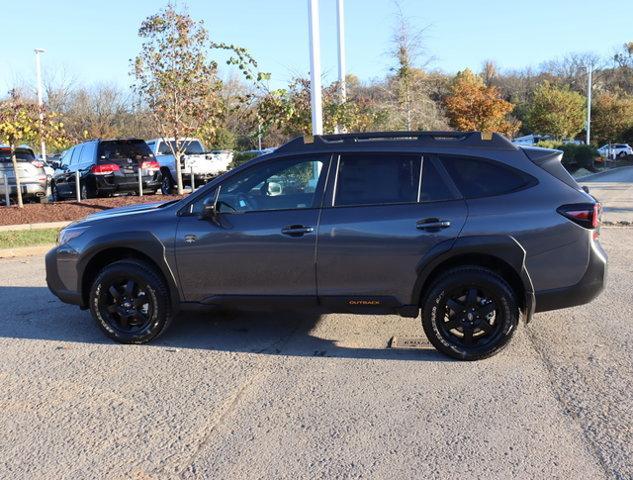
(27, 238)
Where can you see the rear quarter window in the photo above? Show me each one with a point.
(476, 177)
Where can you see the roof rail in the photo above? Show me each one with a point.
(435, 138)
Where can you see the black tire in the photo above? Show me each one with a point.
(470, 326)
(115, 302)
(167, 184)
(55, 196)
(86, 191)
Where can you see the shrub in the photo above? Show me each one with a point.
(580, 155)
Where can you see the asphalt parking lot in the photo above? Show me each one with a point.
(292, 396)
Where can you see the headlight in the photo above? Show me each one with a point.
(68, 233)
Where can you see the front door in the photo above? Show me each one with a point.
(262, 242)
(384, 212)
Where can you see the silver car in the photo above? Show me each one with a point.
(33, 179)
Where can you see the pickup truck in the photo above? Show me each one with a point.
(206, 165)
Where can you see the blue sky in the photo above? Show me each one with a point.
(93, 41)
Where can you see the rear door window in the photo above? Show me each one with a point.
(74, 160)
(88, 153)
(377, 179)
(475, 177)
(433, 187)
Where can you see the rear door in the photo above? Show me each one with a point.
(383, 213)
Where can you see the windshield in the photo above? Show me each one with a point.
(122, 149)
(193, 147)
(21, 154)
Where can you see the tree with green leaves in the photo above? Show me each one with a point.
(23, 121)
(177, 81)
(556, 111)
(289, 110)
(612, 117)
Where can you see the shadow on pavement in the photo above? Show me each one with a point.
(34, 313)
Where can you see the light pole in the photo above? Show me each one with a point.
(40, 101)
(315, 68)
(589, 72)
(340, 24)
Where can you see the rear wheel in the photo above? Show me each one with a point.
(167, 185)
(86, 191)
(130, 302)
(470, 313)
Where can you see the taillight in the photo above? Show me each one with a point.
(150, 165)
(37, 163)
(104, 169)
(584, 214)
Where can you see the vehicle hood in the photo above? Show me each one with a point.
(123, 211)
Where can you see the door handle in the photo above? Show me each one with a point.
(296, 230)
(432, 224)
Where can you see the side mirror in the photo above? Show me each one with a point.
(210, 206)
(585, 188)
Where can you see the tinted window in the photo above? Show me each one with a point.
(113, 150)
(75, 156)
(65, 158)
(191, 148)
(88, 153)
(434, 187)
(381, 178)
(484, 178)
(275, 185)
(21, 155)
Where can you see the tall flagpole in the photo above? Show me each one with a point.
(315, 68)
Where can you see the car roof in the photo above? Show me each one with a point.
(394, 140)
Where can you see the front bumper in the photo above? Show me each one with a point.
(589, 287)
(65, 258)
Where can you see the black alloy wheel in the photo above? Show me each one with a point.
(470, 316)
(470, 313)
(130, 301)
(128, 306)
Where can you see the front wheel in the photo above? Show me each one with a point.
(470, 313)
(130, 302)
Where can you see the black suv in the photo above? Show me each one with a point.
(106, 167)
(470, 232)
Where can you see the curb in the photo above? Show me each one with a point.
(19, 252)
(34, 226)
(597, 175)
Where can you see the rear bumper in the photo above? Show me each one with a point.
(115, 183)
(588, 288)
(31, 189)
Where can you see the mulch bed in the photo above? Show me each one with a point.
(69, 210)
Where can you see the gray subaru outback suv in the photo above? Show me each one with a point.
(470, 232)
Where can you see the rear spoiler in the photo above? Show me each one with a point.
(550, 161)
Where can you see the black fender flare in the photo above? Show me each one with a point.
(142, 242)
(503, 247)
